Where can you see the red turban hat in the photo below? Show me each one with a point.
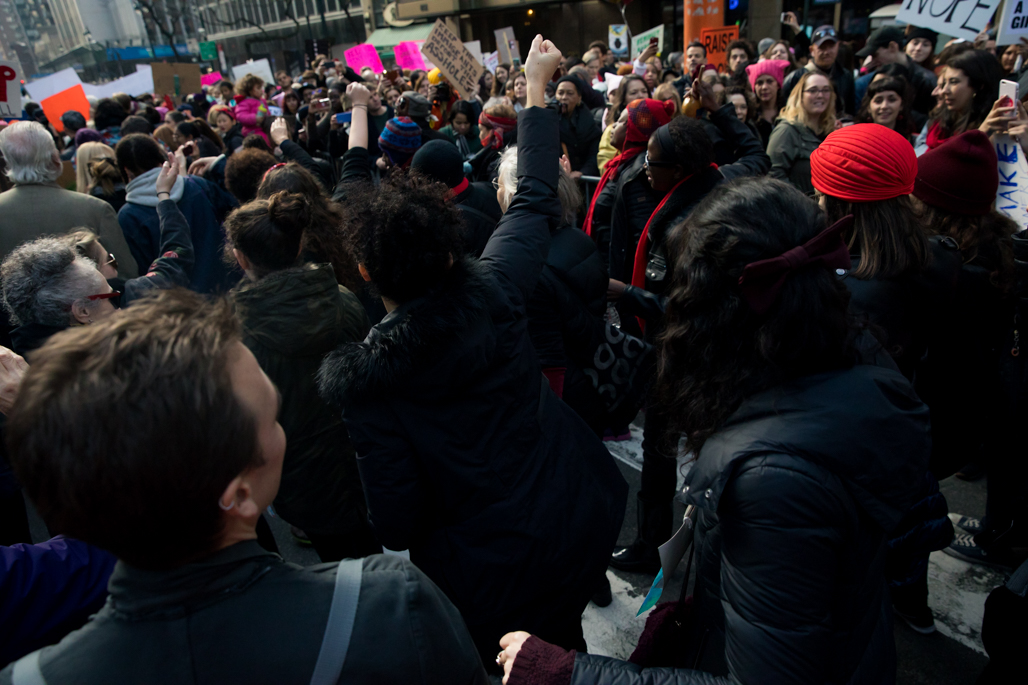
(864, 163)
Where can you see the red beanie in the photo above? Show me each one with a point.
(645, 116)
(864, 163)
(960, 175)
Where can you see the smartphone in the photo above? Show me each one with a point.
(187, 149)
(344, 118)
(784, 18)
(274, 111)
(1009, 89)
(321, 105)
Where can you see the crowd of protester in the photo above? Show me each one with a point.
(403, 320)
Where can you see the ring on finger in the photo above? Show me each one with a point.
(499, 659)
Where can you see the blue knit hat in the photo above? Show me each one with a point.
(400, 139)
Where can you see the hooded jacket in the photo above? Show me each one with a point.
(291, 320)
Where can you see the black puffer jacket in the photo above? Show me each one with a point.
(467, 458)
(795, 495)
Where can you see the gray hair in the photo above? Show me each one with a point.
(28, 149)
(43, 278)
(567, 188)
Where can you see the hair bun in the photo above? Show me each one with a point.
(290, 212)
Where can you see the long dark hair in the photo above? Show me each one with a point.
(983, 73)
(983, 239)
(887, 234)
(715, 351)
(898, 85)
(617, 98)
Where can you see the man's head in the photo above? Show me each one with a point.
(886, 44)
(695, 55)
(244, 172)
(72, 121)
(824, 47)
(413, 105)
(196, 465)
(30, 153)
(740, 54)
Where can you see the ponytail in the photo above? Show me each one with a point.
(269, 232)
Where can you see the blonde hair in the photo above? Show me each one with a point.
(794, 112)
(86, 154)
(86, 244)
(567, 189)
(667, 91)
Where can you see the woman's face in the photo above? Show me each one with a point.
(919, 49)
(593, 67)
(392, 95)
(461, 124)
(766, 89)
(374, 101)
(224, 122)
(488, 79)
(651, 76)
(424, 87)
(520, 87)
(738, 100)
(886, 107)
(957, 93)
(779, 51)
(661, 171)
(1009, 58)
(501, 74)
(940, 83)
(817, 93)
(568, 97)
(620, 130)
(226, 92)
(636, 90)
(292, 104)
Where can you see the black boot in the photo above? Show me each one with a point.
(654, 530)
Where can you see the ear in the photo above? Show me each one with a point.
(55, 158)
(80, 311)
(364, 273)
(236, 500)
(241, 259)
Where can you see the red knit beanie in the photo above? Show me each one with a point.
(960, 175)
(645, 116)
(864, 163)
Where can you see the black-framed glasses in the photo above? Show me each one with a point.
(657, 164)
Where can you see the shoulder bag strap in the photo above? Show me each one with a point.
(26, 670)
(339, 628)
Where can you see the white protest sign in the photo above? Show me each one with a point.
(42, 88)
(617, 39)
(641, 41)
(491, 61)
(1013, 25)
(257, 67)
(957, 18)
(475, 48)
(10, 91)
(1012, 199)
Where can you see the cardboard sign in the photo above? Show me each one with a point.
(1012, 199)
(408, 56)
(454, 60)
(10, 91)
(716, 42)
(177, 79)
(211, 78)
(363, 55)
(504, 39)
(491, 61)
(957, 18)
(65, 101)
(617, 39)
(257, 67)
(642, 41)
(700, 15)
(1013, 25)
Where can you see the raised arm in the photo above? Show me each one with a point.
(518, 246)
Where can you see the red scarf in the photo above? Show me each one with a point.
(935, 138)
(610, 172)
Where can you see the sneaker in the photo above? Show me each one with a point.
(300, 537)
(964, 547)
(968, 523)
(920, 619)
(638, 557)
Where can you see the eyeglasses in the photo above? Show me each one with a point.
(648, 163)
(104, 296)
(818, 91)
(111, 261)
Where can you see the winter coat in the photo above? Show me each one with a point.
(233, 138)
(116, 199)
(245, 615)
(204, 206)
(480, 211)
(471, 141)
(795, 495)
(580, 137)
(789, 149)
(734, 140)
(620, 214)
(246, 110)
(467, 457)
(291, 319)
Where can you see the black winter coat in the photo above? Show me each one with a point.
(481, 212)
(580, 137)
(467, 457)
(621, 212)
(795, 494)
(735, 141)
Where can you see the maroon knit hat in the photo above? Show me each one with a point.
(960, 175)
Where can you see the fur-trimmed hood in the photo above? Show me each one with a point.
(441, 329)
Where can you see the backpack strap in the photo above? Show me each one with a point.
(336, 641)
(27, 672)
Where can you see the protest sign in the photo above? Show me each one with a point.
(504, 39)
(177, 79)
(1013, 25)
(716, 43)
(10, 91)
(1012, 199)
(475, 48)
(491, 61)
(211, 78)
(67, 100)
(454, 60)
(957, 18)
(642, 40)
(408, 56)
(257, 67)
(617, 39)
(363, 55)
(42, 88)
(702, 14)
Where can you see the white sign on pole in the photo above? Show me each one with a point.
(475, 48)
(617, 39)
(257, 67)
(1012, 199)
(10, 91)
(1013, 25)
(957, 18)
(640, 41)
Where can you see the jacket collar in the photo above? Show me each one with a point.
(142, 190)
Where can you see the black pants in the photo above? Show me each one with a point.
(659, 472)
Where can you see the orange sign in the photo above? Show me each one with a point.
(702, 14)
(716, 42)
(71, 99)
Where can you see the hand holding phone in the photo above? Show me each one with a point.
(1009, 89)
(187, 149)
(321, 105)
(344, 118)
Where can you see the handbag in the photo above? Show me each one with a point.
(620, 369)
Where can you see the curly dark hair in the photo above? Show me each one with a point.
(715, 351)
(693, 147)
(405, 233)
(324, 240)
(244, 171)
(108, 113)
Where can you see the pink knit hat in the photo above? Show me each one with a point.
(772, 67)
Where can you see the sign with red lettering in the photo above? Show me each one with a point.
(716, 42)
(10, 91)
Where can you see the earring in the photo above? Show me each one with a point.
(224, 508)
(90, 320)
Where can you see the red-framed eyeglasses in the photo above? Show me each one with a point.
(104, 296)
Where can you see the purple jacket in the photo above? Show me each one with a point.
(48, 590)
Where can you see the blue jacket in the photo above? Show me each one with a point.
(204, 206)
